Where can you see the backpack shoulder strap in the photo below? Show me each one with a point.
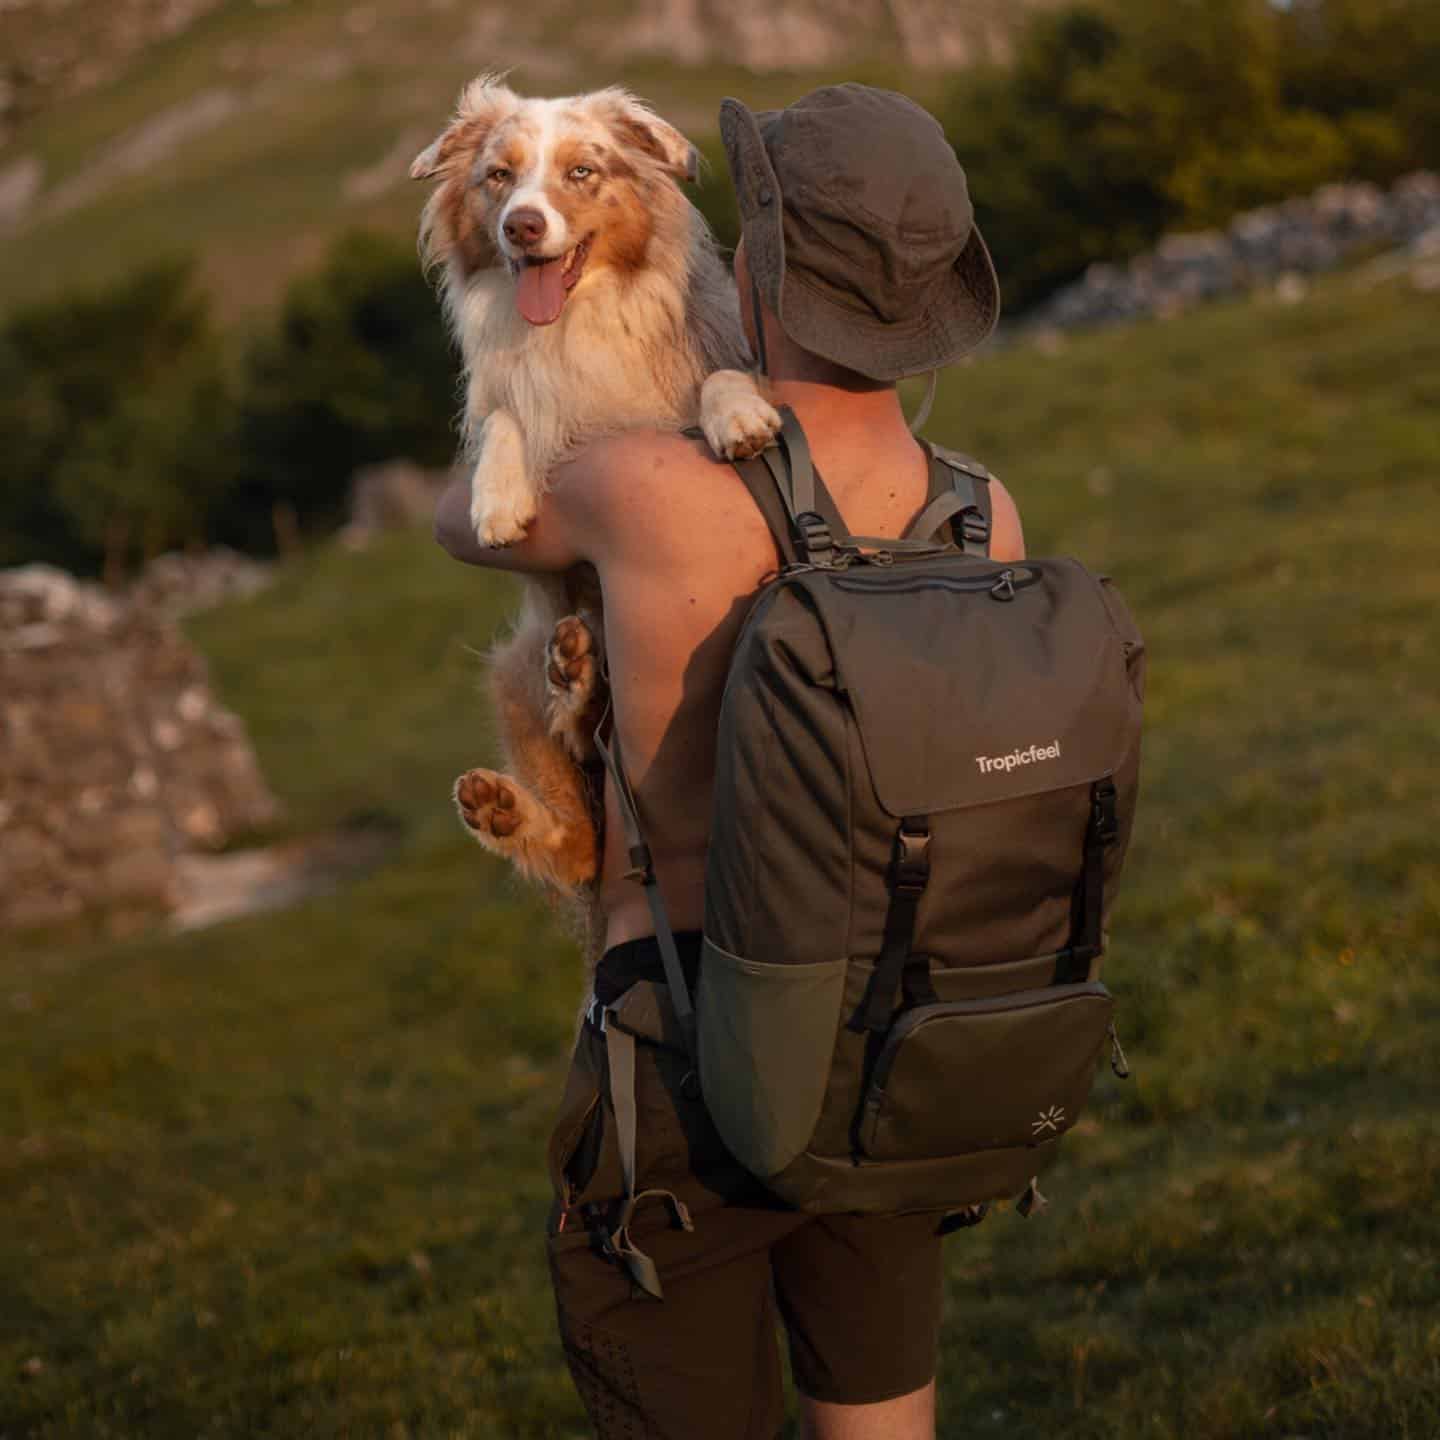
(792, 497)
(959, 496)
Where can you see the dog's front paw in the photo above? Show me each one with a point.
(737, 419)
(497, 523)
(503, 495)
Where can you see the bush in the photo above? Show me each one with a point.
(127, 430)
(1121, 119)
(114, 419)
(358, 369)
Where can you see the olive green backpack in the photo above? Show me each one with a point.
(927, 773)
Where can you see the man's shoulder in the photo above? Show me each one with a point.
(616, 459)
(621, 473)
(650, 494)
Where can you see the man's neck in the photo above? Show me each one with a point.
(838, 410)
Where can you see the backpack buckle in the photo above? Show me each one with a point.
(910, 871)
(815, 536)
(1104, 823)
(975, 528)
(642, 869)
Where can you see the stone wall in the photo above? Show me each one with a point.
(1274, 246)
(115, 757)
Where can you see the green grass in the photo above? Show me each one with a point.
(283, 1178)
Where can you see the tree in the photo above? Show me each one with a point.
(114, 417)
(357, 369)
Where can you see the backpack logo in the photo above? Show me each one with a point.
(1049, 1120)
(1016, 758)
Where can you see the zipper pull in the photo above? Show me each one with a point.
(1004, 587)
(1118, 1063)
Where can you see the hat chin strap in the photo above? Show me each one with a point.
(758, 322)
(923, 413)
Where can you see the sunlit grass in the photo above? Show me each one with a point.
(284, 1177)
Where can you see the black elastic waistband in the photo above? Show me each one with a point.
(622, 965)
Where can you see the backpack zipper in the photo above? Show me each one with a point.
(1002, 584)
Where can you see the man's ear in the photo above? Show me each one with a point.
(640, 128)
(484, 103)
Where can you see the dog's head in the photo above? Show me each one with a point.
(556, 192)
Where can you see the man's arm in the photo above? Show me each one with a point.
(551, 543)
(1007, 539)
(603, 506)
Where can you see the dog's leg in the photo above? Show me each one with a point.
(574, 684)
(737, 419)
(538, 817)
(503, 493)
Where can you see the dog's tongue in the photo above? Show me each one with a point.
(540, 292)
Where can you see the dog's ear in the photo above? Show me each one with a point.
(640, 128)
(484, 103)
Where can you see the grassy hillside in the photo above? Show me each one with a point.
(260, 129)
(284, 1177)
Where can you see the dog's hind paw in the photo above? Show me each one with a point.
(737, 419)
(494, 806)
(555, 847)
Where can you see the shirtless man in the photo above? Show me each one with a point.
(680, 549)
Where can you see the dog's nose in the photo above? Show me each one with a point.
(524, 227)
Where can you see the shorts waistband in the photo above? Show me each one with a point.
(622, 965)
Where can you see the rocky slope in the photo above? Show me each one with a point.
(251, 131)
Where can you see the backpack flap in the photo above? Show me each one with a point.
(1023, 660)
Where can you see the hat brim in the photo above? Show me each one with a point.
(963, 310)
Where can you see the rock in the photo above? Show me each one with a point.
(20, 183)
(115, 757)
(179, 582)
(395, 495)
(1275, 247)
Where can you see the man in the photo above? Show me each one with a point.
(859, 262)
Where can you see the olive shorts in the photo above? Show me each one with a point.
(858, 1296)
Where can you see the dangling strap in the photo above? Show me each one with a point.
(642, 870)
(620, 1044)
(620, 1053)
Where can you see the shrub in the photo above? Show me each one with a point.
(114, 416)
(357, 369)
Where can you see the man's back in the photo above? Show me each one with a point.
(681, 549)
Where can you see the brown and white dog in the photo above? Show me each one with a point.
(587, 297)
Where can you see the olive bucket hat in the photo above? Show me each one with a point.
(859, 231)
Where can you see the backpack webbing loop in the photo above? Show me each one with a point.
(620, 1055)
(1102, 828)
(909, 875)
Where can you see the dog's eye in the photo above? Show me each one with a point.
(581, 172)
(499, 174)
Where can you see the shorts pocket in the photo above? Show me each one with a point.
(766, 1037)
